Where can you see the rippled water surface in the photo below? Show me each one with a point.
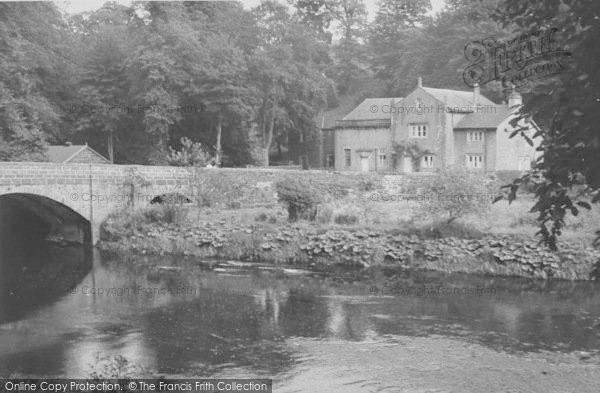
(63, 316)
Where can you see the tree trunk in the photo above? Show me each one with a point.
(219, 149)
(268, 139)
(110, 148)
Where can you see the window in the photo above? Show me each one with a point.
(301, 137)
(427, 161)
(474, 161)
(347, 158)
(418, 105)
(382, 159)
(524, 163)
(330, 160)
(418, 130)
(475, 136)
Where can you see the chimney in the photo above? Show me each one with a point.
(419, 82)
(476, 92)
(514, 99)
(68, 144)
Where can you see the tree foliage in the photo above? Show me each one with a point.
(566, 177)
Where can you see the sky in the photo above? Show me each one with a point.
(76, 6)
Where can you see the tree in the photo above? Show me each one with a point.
(434, 50)
(453, 193)
(104, 85)
(390, 30)
(316, 16)
(567, 174)
(224, 87)
(350, 53)
(38, 70)
(287, 74)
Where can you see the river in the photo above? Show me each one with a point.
(67, 313)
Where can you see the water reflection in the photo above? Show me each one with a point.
(176, 318)
(38, 275)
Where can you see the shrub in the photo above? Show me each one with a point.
(443, 229)
(324, 214)
(215, 188)
(170, 213)
(299, 197)
(453, 193)
(368, 182)
(118, 224)
(190, 154)
(346, 219)
(262, 217)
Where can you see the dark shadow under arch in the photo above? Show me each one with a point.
(32, 218)
(45, 251)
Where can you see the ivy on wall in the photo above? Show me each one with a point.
(410, 149)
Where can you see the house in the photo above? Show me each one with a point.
(432, 128)
(68, 154)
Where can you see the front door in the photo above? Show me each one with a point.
(407, 164)
(364, 164)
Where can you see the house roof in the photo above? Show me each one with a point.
(484, 117)
(458, 99)
(62, 154)
(372, 109)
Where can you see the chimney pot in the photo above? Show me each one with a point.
(476, 92)
(419, 82)
(514, 99)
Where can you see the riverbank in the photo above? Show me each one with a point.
(328, 248)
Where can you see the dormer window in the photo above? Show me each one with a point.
(418, 130)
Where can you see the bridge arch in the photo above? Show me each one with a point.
(28, 218)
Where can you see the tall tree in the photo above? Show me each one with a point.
(567, 175)
(316, 15)
(350, 52)
(38, 71)
(435, 50)
(104, 85)
(394, 25)
(224, 87)
(287, 72)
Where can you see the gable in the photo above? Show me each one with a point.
(71, 153)
(60, 154)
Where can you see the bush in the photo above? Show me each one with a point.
(443, 229)
(368, 182)
(262, 217)
(324, 214)
(118, 224)
(346, 219)
(170, 213)
(215, 188)
(190, 154)
(299, 197)
(455, 192)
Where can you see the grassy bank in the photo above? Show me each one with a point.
(445, 222)
(264, 235)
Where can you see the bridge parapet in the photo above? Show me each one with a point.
(34, 173)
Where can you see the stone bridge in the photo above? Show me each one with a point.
(81, 196)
